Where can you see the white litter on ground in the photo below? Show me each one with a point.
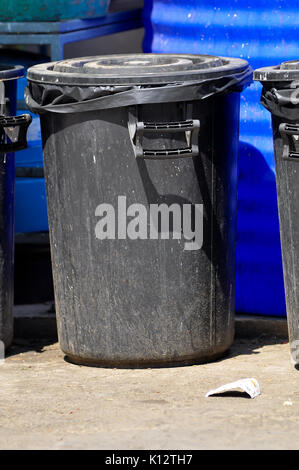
(250, 386)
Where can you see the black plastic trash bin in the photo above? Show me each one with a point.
(280, 96)
(12, 137)
(140, 159)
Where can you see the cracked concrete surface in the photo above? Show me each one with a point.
(49, 403)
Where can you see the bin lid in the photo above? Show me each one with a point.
(286, 71)
(9, 72)
(135, 69)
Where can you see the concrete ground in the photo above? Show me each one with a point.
(48, 403)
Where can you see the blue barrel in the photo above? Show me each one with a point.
(263, 32)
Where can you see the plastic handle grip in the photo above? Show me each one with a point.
(13, 132)
(190, 126)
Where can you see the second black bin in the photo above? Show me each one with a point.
(141, 172)
(281, 97)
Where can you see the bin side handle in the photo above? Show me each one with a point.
(190, 127)
(15, 129)
(290, 137)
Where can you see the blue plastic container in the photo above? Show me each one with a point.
(30, 193)
(263, 32)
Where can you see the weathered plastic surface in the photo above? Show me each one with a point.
(263, 32)
(287, 177)
(51, 10)
(146, 300)
(13, 131)
(280, 97)
(7, 183)
(141, 302)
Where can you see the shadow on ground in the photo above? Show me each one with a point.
(240, 347)
(247, 346)
(27, 345)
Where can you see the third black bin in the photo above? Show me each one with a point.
(13, 131)
(280, 96)
(141, 171)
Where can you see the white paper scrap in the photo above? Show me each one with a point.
(250, 386)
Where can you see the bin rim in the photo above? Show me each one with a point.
(11, 72)
(64, 72)
(284, 72)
